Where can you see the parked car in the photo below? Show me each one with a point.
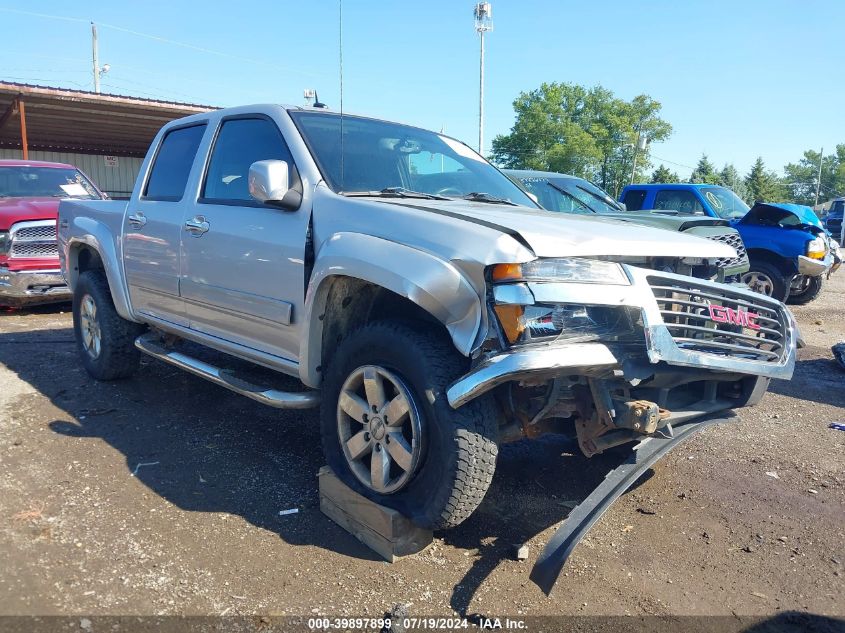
(570, 194)
(789, 250)
(29, 201)
(833, 222)
(427, 305)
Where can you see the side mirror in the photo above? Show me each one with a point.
(622, 206)
(269, 180)
(533, 197)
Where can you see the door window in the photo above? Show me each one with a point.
(677, 200)
(634, 199)
(240, 143)
(173, 162)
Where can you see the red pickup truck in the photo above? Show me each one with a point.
(29, 201)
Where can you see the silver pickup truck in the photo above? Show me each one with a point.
(426, 304)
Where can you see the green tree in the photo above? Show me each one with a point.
(729, 177)
(704, 172)
(802, 177)
(586, 132)
(664, 174)
(763, 185)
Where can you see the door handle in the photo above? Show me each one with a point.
(197, 226)
(137, 220)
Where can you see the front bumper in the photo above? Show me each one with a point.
(814, 267)
(19, 288)
(661, 351)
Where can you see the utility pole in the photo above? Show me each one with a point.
(641, 144)
(819, 179)
(95, 58)
(483, 13)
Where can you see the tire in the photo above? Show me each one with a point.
(454, 455)
(807, 294)
(95, 319)
(766, 279)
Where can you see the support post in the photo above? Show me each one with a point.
(22, 115)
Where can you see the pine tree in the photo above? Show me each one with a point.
(704, 172)
(664, 174)
(762, 185)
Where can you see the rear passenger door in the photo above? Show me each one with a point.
(243, 277)
(152, 227)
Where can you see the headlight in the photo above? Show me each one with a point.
(816, 248)
(576, 270)
(4, 242)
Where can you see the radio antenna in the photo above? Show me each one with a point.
(340, 57)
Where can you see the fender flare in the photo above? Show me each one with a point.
(96, 236)
(437, 286)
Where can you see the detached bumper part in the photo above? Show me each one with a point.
(554, 556)
(32, 286)
(586, 358)
(814, 267)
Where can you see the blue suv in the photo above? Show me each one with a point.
(789, 248)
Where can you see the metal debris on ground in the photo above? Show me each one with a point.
(772, 474)
(839, 426)
(521, 551)
(135, 472)
(285, 512)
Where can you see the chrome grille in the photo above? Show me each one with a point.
(734, 240)
(34, 240)
(720, 321)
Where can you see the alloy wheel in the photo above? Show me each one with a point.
(89, 327)
(379, 429)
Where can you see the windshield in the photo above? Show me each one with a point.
(725, 202)
(45, 182)
(569, 195)
(379, 156)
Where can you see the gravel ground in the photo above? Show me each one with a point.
(161, 495)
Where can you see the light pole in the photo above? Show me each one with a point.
(483, 13)
(819, 179)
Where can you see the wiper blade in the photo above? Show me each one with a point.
(393, 192)
(480, 196)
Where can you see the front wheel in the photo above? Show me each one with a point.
(804, 289)
(106, 341)
(766, 279)
(389, 433)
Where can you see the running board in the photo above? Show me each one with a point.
(553, 557)
(271, 397)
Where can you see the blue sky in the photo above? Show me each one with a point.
(736, 79)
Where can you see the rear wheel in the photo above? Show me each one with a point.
(766, 279)
(106, 341)
(389, 433)
(804, 289)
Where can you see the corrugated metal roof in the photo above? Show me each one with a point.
(59, 119)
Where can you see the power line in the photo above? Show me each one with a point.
(164, 40)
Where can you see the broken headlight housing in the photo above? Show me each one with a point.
(522, 320)
(568, 269)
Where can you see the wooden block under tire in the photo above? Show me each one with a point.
(387, 532)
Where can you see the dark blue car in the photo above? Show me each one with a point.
(833, 222)
(791, 253)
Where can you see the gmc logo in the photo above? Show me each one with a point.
(721, 314)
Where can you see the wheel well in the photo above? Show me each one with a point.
(352, 303)
(786, 267)
(83, 258)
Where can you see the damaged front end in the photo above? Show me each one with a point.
(614, 354)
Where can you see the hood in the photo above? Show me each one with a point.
(14, 210)
(781, 214)
(552, 234)
(670, 222)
